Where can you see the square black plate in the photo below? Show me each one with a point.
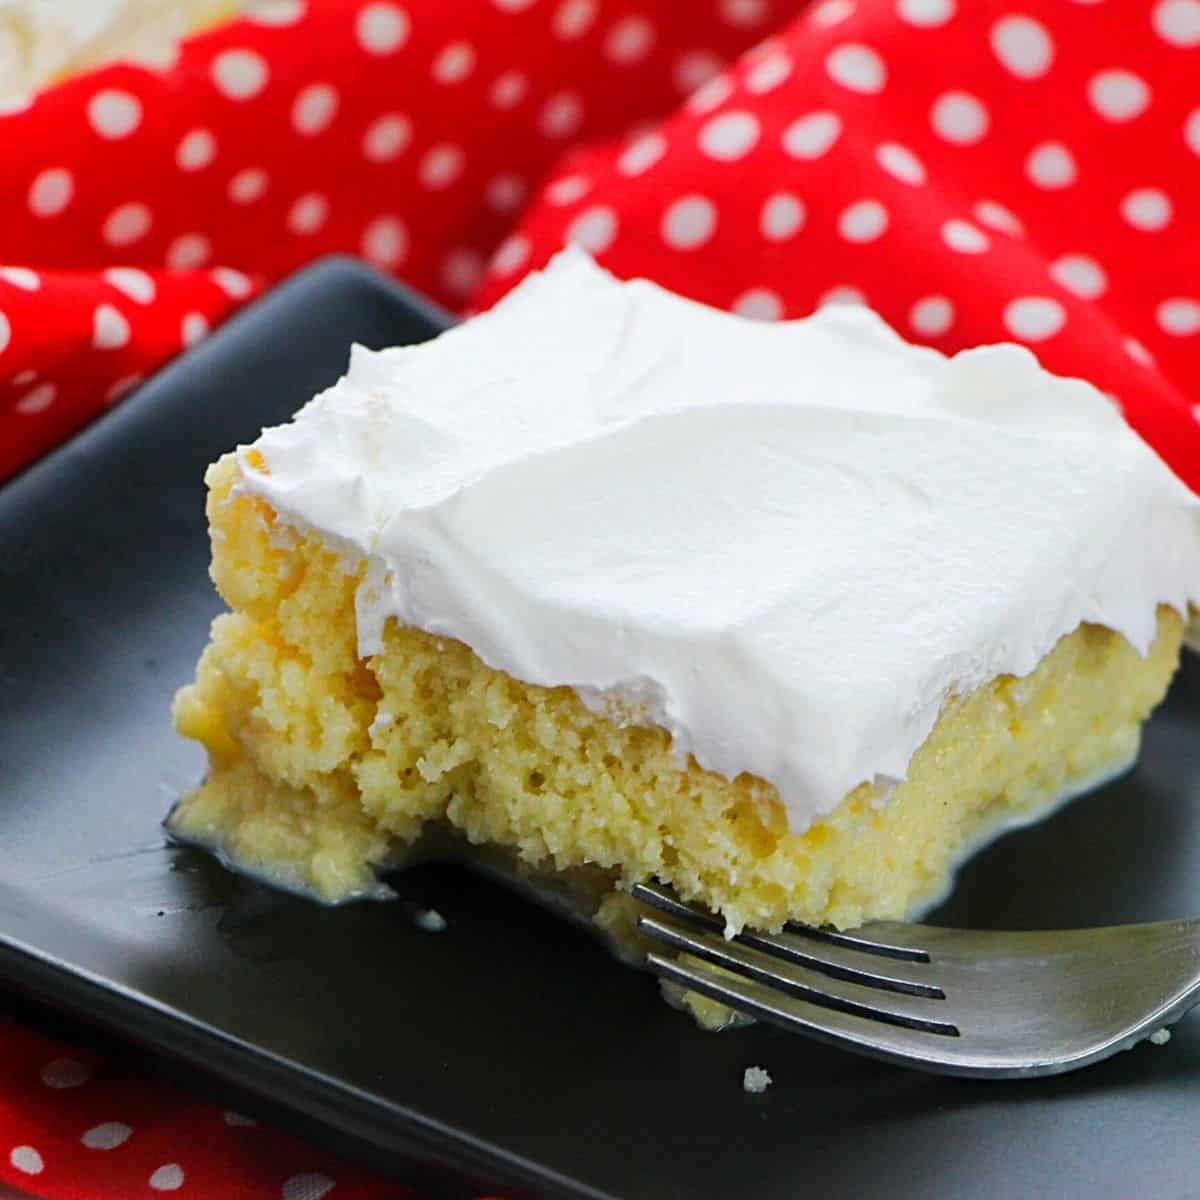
(510, 1046)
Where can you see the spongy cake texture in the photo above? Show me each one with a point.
(323, 764)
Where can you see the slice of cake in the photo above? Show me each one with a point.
(785, 616)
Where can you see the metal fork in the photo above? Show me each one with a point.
(951, 1001)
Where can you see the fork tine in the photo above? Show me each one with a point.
(864, 1000)
(840, 956)
(891, 1043)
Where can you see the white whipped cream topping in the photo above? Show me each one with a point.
(787, 544)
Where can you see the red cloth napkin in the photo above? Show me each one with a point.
(975, 170)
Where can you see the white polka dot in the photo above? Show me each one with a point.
(713, 94)
(188, 251)
(562, 114)
(931, 316)
(1023, 46)
(275, 12)
(239, 74)
(441, 166)
(114, 114)
(5, 332)
(314, 108)
(996, 216)
(901, 163)
(248, 185)
(237, 1119)
(689, 222)
(110, 329)
(309, 1186)
(193, 328)
(382, 28)
(21, 277)
(461, 271)
(863, 221)
(511, 254)
(307, 214)
(629, 40)
(812, 135)
(195, 150)
(387, 137)
(24, 378)
(167, 1178)
(573, 18)
(695, 68)
(1148, 209)
(33, 402)
(568, 189)
(512, 5)
(1178, 22)
(1118, 95)
(782, 217)
(759, 304)
(831, 12)
(25, 1158)
(51, 192)
(385, 242)
(594, 229)
(505, 193)
(642, 154)
(65, 1073)
(744, 13)
(960, 118)
(842, 294)
(508, 90)
(1079, 274)
(126, 224)
(107, 1136)
(926, 14)
(122, 387)
(131, 282)
(768, 73)
(965, 237)
(730, 136)
(764, 49)
(1138, 352)
(454, 64)
(1034, 318)
(1179, 316)
(1191, 131)
(1050, 165)
(857, 68)
(236, 285)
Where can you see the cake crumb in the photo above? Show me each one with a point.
(756, 1080)
(1160, 1037)
(430, 920)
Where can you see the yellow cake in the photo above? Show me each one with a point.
(323, 764)
(341, 728)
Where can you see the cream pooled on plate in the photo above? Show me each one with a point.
(787, 544)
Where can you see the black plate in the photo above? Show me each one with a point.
(510, 1046)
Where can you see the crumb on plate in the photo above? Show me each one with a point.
(756, 1080)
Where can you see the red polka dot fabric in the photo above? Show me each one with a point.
(74, 1126)
(975, 170)
(139, 207)
(976, 173)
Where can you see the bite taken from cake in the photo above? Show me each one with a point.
(786, 616)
